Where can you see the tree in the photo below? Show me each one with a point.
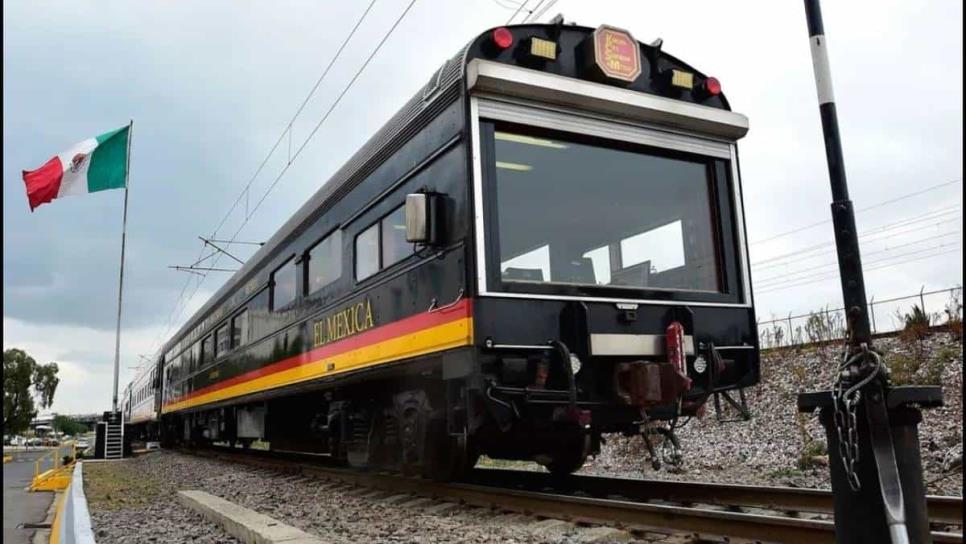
(21, 373)
(67, 425)
(45, 383)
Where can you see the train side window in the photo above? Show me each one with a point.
(239, 329)
(325, 262)
(222, 340)
(367, 252)
(196, 356)
(394, 245)
(284, 281)
(207, 350)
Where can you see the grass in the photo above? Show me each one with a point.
(113, 486)
(949, 353)
(919, 369)
(815, 448)
(786, 472)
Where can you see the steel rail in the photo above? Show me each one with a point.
(621, 507)
(942, 509)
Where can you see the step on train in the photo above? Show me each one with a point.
(544, 245)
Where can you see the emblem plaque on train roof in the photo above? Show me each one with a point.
(612, 55)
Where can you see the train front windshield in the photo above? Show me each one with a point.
(579, 212)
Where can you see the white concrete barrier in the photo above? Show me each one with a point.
(73, 522)
(246, 525)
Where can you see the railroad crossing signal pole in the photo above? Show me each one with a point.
(871, 427)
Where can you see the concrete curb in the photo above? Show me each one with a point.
(72, 524)
(246, 525)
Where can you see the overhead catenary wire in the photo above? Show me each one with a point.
(939, 216)
(882, 265)
(870, 269)
(328, 112)
(513, 4)
(878, 239)
(789, 276)
(943, 249)
(515, 13)
(819, 250)
(819, 270)
(874, 206)
(181, 303)
(322, 121)
(541, 12)
(530, 12)
(288, 127)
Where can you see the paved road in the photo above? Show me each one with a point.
(20, 506)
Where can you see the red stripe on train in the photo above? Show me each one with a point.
(394, 329)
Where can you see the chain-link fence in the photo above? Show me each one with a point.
(887, 315)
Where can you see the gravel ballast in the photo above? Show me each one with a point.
(767, 450)
(136, 501)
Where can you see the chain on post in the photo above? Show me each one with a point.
(845, 398)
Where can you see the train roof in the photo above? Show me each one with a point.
(443, 88)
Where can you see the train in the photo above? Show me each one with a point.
(546, 244)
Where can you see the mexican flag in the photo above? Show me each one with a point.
(96, 164)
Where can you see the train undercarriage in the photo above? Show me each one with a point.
(536, 407)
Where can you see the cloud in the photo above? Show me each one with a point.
(85, 357)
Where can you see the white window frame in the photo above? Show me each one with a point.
(515, 108)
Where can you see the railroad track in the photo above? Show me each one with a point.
(704, 511)
(942, 510)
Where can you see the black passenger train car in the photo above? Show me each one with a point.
(545, 244)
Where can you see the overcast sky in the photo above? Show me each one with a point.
(211, 85)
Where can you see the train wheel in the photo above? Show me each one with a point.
(447, 457)
(570, 458)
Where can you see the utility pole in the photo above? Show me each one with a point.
(871, 427)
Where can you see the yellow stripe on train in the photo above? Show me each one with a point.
(441, 337)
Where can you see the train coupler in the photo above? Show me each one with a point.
(648, 384)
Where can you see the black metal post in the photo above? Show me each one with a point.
(843, 215)
(873, 442)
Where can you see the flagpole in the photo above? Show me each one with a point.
(120, 287)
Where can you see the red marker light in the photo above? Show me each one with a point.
(712, 86)
(502, 37)
(674, 343)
